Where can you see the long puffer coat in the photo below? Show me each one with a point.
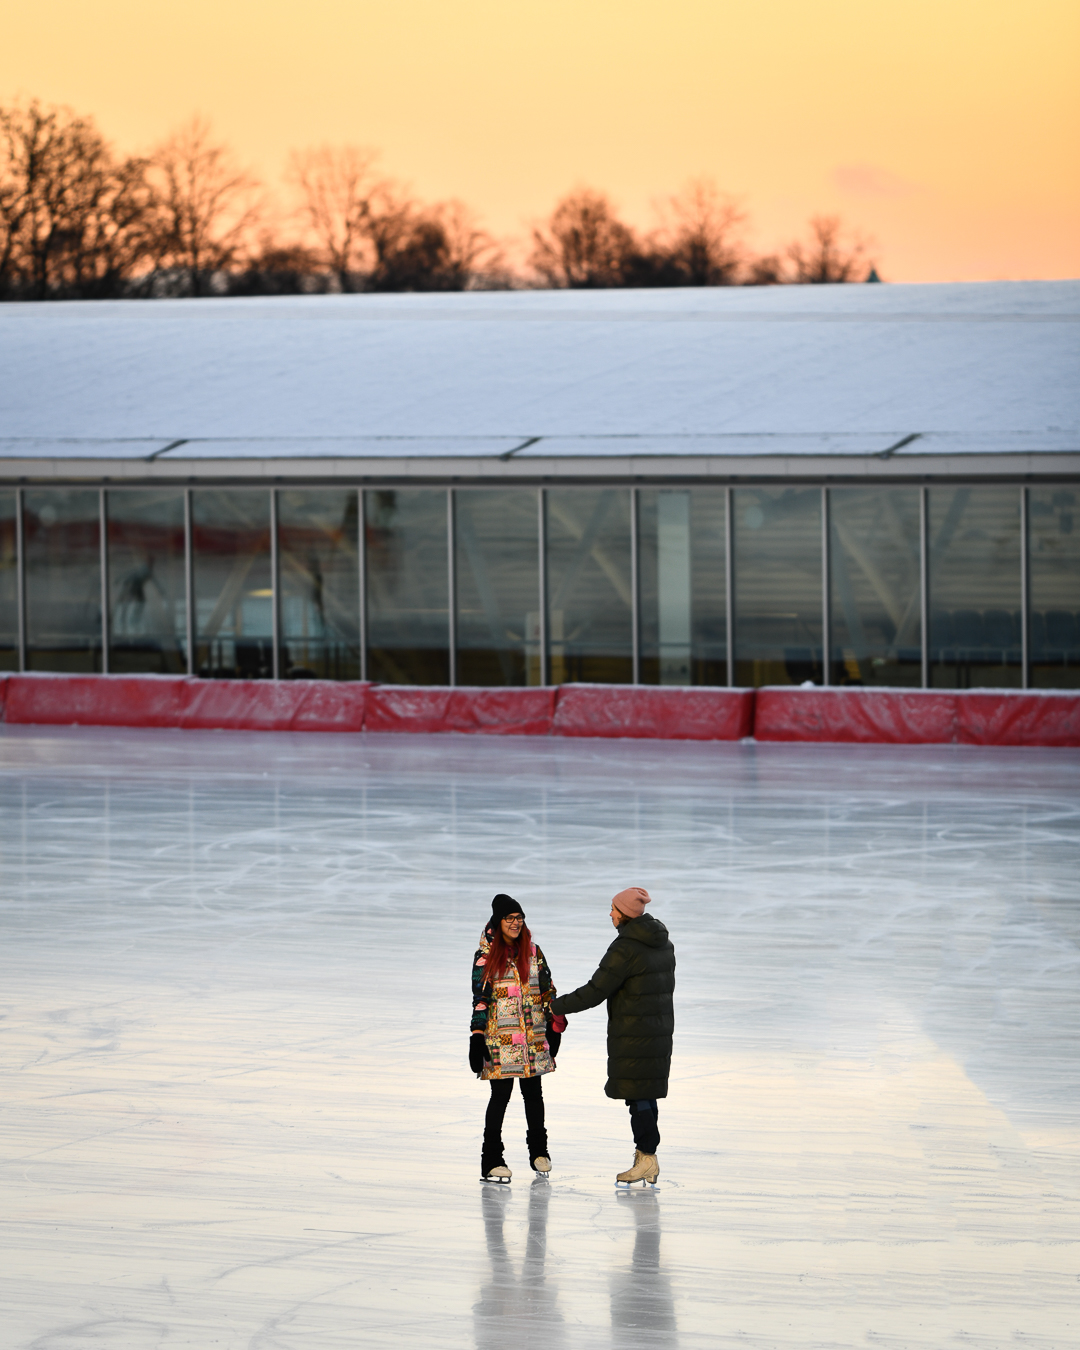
(637, 978)
(513, 1015)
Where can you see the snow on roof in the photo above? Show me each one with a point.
(837, 370)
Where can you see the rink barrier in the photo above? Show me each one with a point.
(644, 712)
(485, 712)
(177, 701)
(777, 713)
(917, 716)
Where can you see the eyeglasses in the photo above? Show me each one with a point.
(515, 919)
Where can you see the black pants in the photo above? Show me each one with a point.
(532, 1092)
(643, 1121)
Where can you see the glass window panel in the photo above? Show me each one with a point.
(590, 617)
(233, 596)
(874, 586)
(407, 586)
(777, 585)
(498, 586)
(147, 590)
(974, 558)
(320, 584)
(1054, 583)
(682, 586)
(9, 582)
(63, 579)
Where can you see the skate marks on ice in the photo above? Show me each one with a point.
(225, 1123)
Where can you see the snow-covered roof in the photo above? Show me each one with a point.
(532, 381)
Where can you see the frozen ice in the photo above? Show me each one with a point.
(236, 1109)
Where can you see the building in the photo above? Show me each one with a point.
(837, 484)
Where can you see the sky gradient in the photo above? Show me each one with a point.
(948, 130)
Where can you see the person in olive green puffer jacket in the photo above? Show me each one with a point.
(636, 977)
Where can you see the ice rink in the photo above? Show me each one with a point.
(235, 1105)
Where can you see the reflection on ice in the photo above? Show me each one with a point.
(518, 1305)
(642, 1306)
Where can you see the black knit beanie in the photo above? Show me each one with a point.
(503, 906)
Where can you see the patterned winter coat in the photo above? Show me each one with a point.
(514, 1020)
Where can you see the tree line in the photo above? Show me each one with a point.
(80, 221)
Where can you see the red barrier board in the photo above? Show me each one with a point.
(95, 700)
(176, 701)
(498, 712)
(850, 715)
(917, 716)
(269, 705)
(1017, 718)
(868, 716)
(643, 712)
(330, 705)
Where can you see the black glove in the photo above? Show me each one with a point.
(554, 1040)
(478, 1052)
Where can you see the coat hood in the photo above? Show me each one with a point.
(648, 930)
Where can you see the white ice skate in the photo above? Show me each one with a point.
(645, 1169)
(498, 1176)
(542, 1165)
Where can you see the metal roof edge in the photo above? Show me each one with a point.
(486, 470)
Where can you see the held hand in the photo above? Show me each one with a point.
(478, 1052)
(554, 1040)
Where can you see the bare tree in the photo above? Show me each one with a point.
(276, 267)
(72, 218)
(766, 270)
(585, 244)
(471, 253)
(115, 240)
(205, 206)
(338, 189)
(700, 236)
(418, 248)
(827, 256)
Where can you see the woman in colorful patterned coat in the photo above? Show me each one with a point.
(513, 1033)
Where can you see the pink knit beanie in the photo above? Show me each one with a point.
(632, 901)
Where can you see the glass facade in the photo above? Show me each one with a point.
(319, 577)
(497, 579)
(233, 595)
(463, 585)
(147, 585)
(974, 557)
(778, 620)
(408, 589)
(1054, 586)
(875, 586)
(682, 585)
(9, 583)
(62, 539)
(590, 596)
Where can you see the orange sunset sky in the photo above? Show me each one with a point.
(948, 130)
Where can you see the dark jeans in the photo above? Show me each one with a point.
(643, 1121)
(532, 1092)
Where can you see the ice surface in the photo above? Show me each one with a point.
(881, 361)
(235, 1105)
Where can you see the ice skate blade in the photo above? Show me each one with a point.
(626, 1185)
(494, 1181)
